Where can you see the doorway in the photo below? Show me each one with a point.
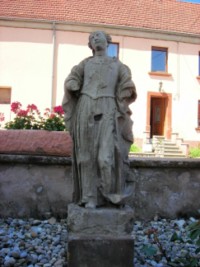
(157, 116)
(159, 109)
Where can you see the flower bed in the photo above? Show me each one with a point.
(32, 118)
(34, 133)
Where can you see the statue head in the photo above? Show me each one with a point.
(98, 39)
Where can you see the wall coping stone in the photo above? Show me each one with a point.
(165, 162)
(134, 162)
(36, 160)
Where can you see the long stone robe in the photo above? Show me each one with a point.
(97, 94)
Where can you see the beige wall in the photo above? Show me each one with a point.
(27, 57)
(26, 64)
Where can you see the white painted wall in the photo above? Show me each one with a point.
(26, 65)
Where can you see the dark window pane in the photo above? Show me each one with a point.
(113, 50)
(158, 60)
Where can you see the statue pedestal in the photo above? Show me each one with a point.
(100, 237)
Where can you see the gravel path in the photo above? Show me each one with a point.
(34, 243)
(159, 242)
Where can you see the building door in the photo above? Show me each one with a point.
(157, 115)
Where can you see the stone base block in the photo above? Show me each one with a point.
(100, 251)
(100, 221)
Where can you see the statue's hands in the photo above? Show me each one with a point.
(73, 86)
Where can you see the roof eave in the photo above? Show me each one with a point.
(148, 33)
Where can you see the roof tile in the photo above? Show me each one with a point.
(166, 15)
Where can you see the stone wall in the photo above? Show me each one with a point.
(166, 187)
(41, 186)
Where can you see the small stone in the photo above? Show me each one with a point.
(36, 229)
(56, 241)
(27, 235)
(180, 223)
(34, 258)
(34, 234)
(52, 220)
(39, 190)
(44, 260)
(2, 232)
(9, 261)
(58, 263)
(16, 253)
(192, 219)
(36, 222)
(23, 254)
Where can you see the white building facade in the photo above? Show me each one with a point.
(36, 57)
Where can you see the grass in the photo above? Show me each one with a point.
(135, 148)
(194, 152)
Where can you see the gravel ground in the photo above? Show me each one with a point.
(34, 243)
(159, 242)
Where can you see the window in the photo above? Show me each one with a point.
(113, 50)
(198, 122)
(159, 59)
(5, 95)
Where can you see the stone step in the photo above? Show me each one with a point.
(141, 154)
(172, 152)
(166, 148)
(171, 149)
(168, 143)
(158, 137)
(175, 152)
(175, 155)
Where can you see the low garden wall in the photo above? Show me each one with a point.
(42, 186)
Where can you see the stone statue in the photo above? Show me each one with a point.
(97, 94)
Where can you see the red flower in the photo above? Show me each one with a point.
(47, 112)
(59, 110)
(15, 107)
(52, 116)
(22, 113)
(32, 107)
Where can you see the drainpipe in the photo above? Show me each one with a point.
(176, 96)
(178, 73)
(53, 88)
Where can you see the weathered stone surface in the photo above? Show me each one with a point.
(100, 221)
(100, 251)
(170, 191)
(97, 95)
(35, 142)
(34, 190)
(36, 185)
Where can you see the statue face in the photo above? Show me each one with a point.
(98, 41)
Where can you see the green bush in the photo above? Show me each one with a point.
(135, 148)
(194, 152)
